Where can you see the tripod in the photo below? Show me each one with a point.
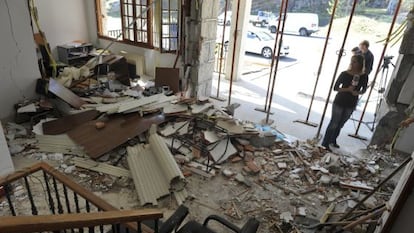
(381, 87)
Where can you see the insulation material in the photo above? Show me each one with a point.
(154, 171)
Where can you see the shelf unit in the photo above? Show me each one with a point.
(74, 55)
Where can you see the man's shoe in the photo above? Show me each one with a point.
(335, 145)
(327, 148)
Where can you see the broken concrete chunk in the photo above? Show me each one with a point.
(70, 169)
(253, 167)
(227, 173)
(282, 165)
(277, 151)
(286, 216)
(241, 179)
(302, 211)
(325, 179)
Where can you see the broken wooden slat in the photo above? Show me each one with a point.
(65, 94)
(69, 122)
(101, 167)
(117, 130)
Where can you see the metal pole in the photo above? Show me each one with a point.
(221, 50)
(340, 52)
(273, 60)
(306, 122)
(377, 72)
(277, 62)
(234, 50)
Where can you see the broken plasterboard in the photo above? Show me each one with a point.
(177, 127)
(222, 150)
(175, 108)
(231, 126)
(199, 108)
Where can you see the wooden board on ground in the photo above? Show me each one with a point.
(118, 129)
(65, 94)
(69, 122)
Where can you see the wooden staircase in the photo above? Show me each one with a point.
(70, 207)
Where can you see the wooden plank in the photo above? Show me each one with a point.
(118, 130)
(165, 76)
(65, 94)
(101, 167)
(57, 222)
(69, 122)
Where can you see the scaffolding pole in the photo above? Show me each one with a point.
(355, 135)
(269, 102)
(217, 97)
(265, 108)
(340, 54)
(306, 121)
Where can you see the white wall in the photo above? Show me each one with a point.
(6, 163)
(153, 58)
(18, 61)
(62, 21)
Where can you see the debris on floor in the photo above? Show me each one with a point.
(156, 147)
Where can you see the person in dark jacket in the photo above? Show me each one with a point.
(369, 57)
(349, 85)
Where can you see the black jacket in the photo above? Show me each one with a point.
(346, 99)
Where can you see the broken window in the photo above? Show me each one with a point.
(169, 25)
(125, 20)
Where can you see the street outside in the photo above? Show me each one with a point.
(295, 80)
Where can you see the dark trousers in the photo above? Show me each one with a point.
(338, 119)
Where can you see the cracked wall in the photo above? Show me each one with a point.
(18, 61)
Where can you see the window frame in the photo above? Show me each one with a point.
(135, 42)
(169, 24)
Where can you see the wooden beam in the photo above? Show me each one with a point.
(42, 223)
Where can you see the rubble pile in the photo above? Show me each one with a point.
(217, 164)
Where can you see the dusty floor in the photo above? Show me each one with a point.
(275, 195)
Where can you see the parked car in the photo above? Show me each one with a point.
(220, 19)
(302, 23)
(262, 18)
(261, 42)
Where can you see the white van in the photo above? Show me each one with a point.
(302, 23)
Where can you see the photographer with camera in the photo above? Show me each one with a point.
(349, 85)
